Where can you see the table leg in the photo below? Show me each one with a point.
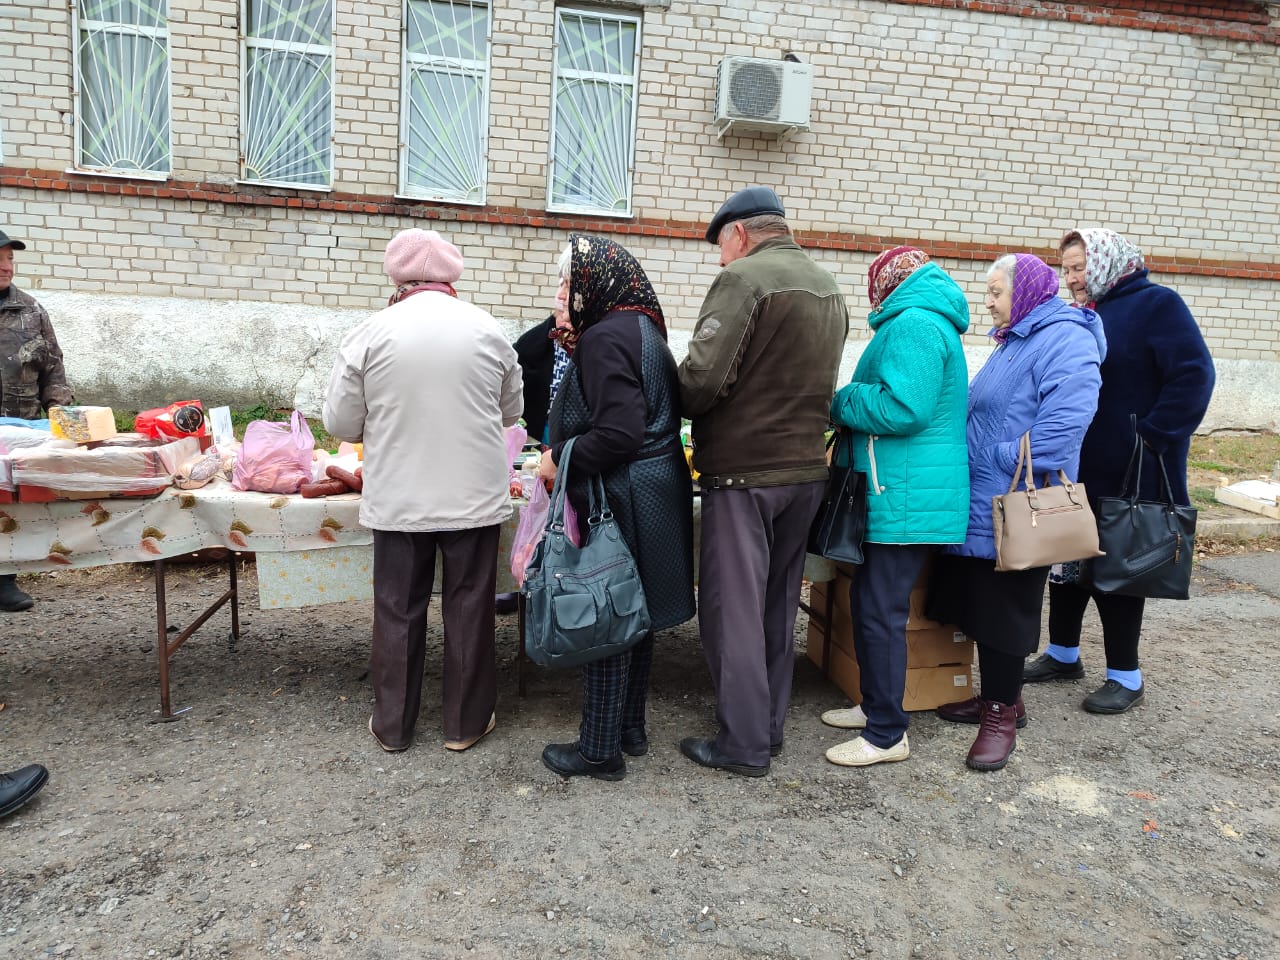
(166, 647)
(522, 658)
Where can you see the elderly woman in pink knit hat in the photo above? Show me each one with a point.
(428, 384)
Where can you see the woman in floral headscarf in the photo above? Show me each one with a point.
(1159, 370)
(620, 397)
(1042, 377)
(903, 420)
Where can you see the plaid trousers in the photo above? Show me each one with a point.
(614, 691)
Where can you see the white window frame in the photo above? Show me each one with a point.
(561, 76)
(82, 28)
(274, 119)
(413, 63)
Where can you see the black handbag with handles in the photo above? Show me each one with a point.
(841, 522)
(1149, 544)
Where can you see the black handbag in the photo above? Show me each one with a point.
(1149, 545)
(582, 603)
(841, 521)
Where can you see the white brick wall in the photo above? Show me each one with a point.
(931, 124)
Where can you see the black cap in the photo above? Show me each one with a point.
(751, 202)
(6, 242)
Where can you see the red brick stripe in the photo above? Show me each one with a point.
(375, 205)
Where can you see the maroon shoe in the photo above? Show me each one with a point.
(970, 711)
(997, 737)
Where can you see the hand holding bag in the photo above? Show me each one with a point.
(1039, 527)
(1149, 544)
(582, 603)
(841, 522)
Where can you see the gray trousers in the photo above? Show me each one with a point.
(749, 570)
(404, 567)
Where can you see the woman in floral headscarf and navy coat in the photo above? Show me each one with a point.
(1042, 377)
(1159, 370)
(620, 398)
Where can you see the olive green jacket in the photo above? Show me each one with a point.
(31, 374)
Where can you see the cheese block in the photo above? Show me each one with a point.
(82, 424)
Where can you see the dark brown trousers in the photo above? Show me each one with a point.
(404, 568)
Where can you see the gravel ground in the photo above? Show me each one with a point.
(267, 822)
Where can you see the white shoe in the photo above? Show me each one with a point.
(851, 718)
(860, 753)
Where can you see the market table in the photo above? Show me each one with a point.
(309, 551)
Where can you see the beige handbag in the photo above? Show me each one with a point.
(1039, 527)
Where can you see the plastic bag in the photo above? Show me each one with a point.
(529, 530)
(275, 457)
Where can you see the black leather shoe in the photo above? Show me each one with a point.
(567, 760)
(1114, 697)
(635, 743)
(18, 787)
(1045, 667)
(775, 749)
(12, 599)
(704, 752)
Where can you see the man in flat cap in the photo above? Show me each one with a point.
(757, 383)
(31, 375)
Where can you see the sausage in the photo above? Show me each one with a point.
(353, 480)
(325, 488)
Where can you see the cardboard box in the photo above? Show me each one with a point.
(926, 688)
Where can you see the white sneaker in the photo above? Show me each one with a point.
(851, 718)
(860, 753)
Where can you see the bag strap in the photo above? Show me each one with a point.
(1135, 462)
(1023, 469)
(560, 490)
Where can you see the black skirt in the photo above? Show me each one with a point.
(998, 610)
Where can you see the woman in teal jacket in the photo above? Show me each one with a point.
(903, 418)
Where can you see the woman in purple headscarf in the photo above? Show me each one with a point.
(1042, 377)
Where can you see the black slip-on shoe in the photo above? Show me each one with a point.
(635, 743)
(18, 787)
(1045, 667)
(703, 752)
(1114, 697)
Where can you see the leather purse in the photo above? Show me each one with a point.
(1149, 544)
(582, 603)
(840, 524)
(1037, 527)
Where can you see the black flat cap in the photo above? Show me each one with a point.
(749, 202)
(6, 242)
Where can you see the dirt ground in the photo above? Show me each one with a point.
(268, 823)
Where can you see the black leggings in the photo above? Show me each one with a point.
(1121, 621)
(1001, 675)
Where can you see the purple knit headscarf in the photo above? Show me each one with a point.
(1034, 283)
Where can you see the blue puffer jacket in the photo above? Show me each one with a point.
(1045, 379)
(905, 411)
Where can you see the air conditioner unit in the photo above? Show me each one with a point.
(767, 95)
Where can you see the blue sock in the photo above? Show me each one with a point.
(1064, 654)
(1129, 679)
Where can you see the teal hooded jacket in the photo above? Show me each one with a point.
(902, 416)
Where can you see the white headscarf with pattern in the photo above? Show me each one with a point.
(1108, 259)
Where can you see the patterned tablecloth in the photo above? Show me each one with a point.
(309, 551)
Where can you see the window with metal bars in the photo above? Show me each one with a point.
(444, 128)
(286, 122)
(122, 86)
(593, 118)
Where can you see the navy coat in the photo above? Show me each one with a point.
(1157, 367)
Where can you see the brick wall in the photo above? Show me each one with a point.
(969, 128)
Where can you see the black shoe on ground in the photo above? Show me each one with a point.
(635, 743)
(12, 600)
(18, 787)
(775, 749)
(703, 752)
(1114, 697)
(567, 760)
(1045, 667)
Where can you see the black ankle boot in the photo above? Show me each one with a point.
(11, 598)
(567, 760)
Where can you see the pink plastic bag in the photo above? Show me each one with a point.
(529, 530)
(275, 457)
